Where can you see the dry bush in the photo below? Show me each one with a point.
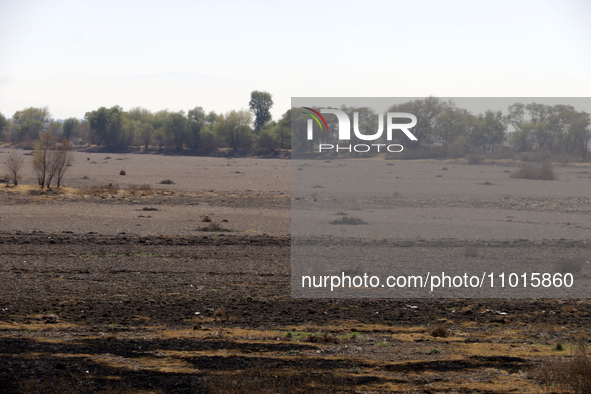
(475, 159)
(571, 373)
(122, 172)
(544, 172)
(348, 220)
(471, 251)
(215, 227)
(13, 164)
(220, 313)
(167, 182)
(439, 330)
(569, 309)
(324, 338)
(109, 189)
(569, 266)
(141, 188)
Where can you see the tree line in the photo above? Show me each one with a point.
(194, 130)
(524, 127)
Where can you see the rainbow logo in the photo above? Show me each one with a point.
(316, 118)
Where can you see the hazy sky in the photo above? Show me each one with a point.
(76, 56)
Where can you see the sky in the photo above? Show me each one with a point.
(75, 57)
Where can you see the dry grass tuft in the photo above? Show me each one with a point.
(571, 373)
(220, 312)
(133, 189)
(348, 220)
(475, 159)
(214, 227)
(324, 338)
(439, 331)
(543, 172)
(568, 266)
(99, 190)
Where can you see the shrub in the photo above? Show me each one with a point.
(214, 227)
(135, 188)
(569, 373)
(439, 331)
(348, 220)
(167, 182)
(569, 266)
(325, 338)
(544, 172)
(122, 172)
(220, 312)
(13, 164)
(475, 159)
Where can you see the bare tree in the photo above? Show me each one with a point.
(42, 158)
(61, 159)
(13, 165)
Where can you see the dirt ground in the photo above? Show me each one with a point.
(134, 293)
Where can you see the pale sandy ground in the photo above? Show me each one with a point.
(419, 200)
(190, 173)
(413, 200)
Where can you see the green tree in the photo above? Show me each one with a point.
(110, 127)
(283, 130)
(452, 124)
(196, 120)
(267, 137)
(260, 104)
(426, 110)
(581, 132)
(140, 114)
(145, 133)
(30, 122)
(4, 126)
(489, 131)
(209, 140)
(367, 124)
(234, 128)
(70, 127)
(175, 130)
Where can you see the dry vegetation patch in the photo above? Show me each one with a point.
(543, 172)
(348, 220)
(571, 373)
